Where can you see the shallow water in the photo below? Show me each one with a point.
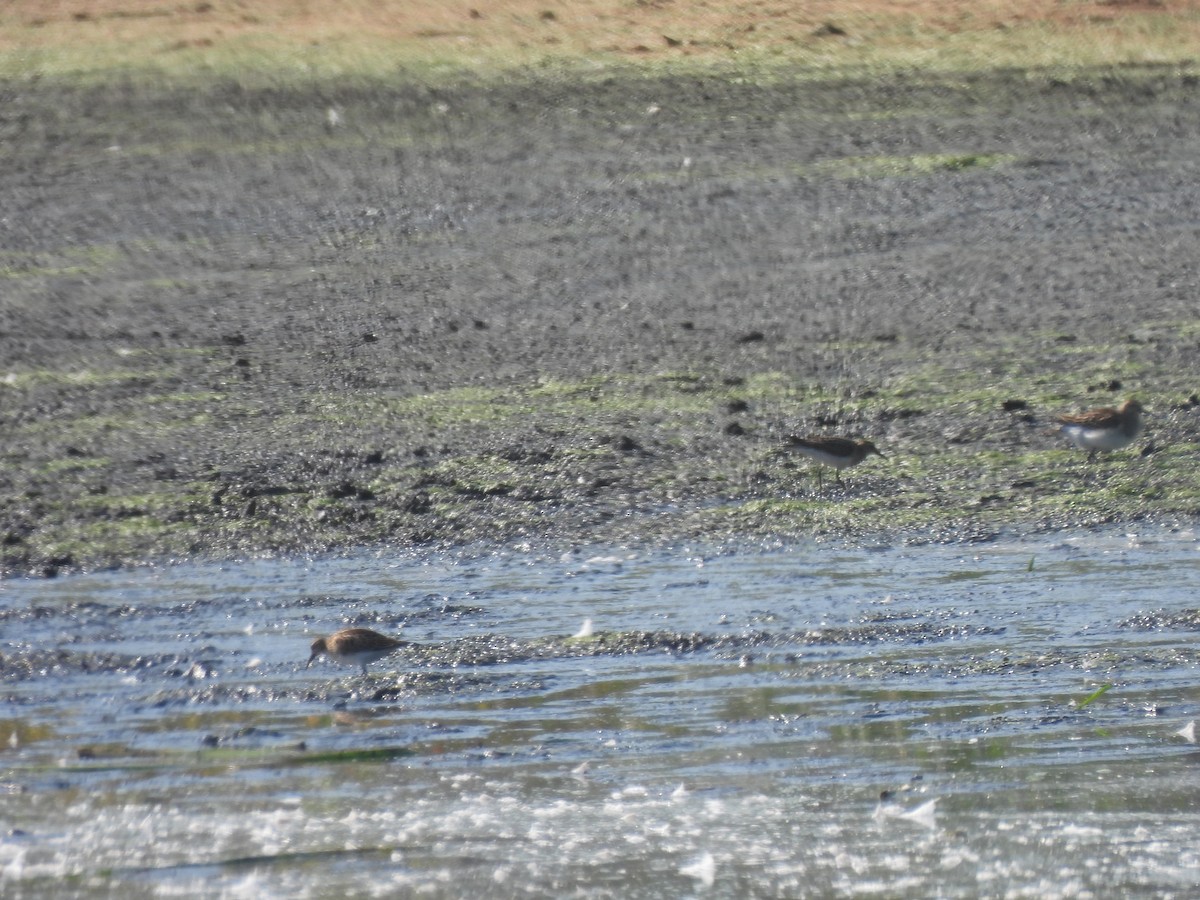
(813, 720)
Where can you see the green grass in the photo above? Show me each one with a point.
(880, 46)
(1093, 696)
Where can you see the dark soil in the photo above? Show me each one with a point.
(238, 321)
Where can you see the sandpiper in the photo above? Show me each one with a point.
(354, 646)
(1103, 429)
(839, 452)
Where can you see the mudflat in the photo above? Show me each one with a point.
(384, 311)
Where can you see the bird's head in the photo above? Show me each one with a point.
(318, 647)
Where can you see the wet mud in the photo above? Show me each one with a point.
(588, 310)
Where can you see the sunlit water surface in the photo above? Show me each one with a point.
(812, 720)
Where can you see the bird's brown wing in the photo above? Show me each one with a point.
(1105, 417)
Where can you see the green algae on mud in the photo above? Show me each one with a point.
(744, 485)
(748, 486)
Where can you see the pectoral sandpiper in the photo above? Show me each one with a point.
(354, 646)
(838, 452)
(1103, 429)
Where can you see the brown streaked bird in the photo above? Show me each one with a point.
(838, 452)
(1104, 428)
(355, 647)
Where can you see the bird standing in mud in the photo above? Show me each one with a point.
(1104, 428)
(838, 452)
(354, 646)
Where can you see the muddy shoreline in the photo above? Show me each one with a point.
(321, 317)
